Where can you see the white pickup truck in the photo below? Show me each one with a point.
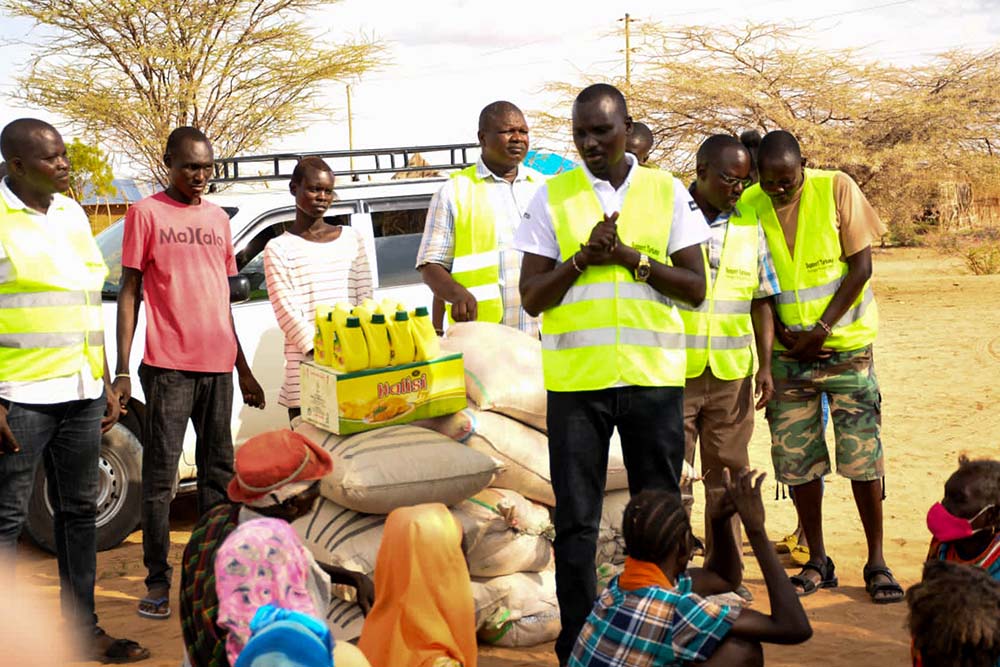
(388, 213)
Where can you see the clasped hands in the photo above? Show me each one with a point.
(605, 247)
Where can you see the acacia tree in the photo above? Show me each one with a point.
(89, 166)
(898, 131)
(129, 71)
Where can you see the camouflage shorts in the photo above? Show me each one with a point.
(798, 441)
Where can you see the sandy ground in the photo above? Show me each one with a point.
(938, 357)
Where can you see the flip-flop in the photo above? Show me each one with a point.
(827, 573)
(119, 651)
(891, 586)
(160, 605)
(786, 544)
(799, 555)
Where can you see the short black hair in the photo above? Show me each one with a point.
(16, 134)
(309, 163)
(654, 524)
(750, 139)
(779, 145)
(987, 472)
(495, 110)
(954, 616)
(713, 147)
(182, 134)
(641, 132)
(598, 91)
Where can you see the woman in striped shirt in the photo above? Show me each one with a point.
(312, 263)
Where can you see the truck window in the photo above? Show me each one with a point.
(398, 227)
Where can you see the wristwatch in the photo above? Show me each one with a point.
(642, 269)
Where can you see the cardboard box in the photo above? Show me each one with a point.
(347, 403)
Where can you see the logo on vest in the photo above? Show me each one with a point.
(191, 236)
(734, 272)
(652, 251)
(820, 264)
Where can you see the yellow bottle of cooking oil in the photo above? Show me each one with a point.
(379, 351)
(372, 305)
(390, 307)
(351, 348)
(401, 338)
(323, 340)
(424, 337)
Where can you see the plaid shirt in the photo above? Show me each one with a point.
(509, 202)
(767, 277)
(651, 626)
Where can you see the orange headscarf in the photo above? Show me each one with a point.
(423, 609)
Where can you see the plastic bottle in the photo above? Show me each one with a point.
(379, 351)
(424, 337)
(351, 348)
(325, 335)
(401, 338)
(372, 305)
(390, 308)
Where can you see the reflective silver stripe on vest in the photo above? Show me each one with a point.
(49, 299)
(610, 336)
(719, 342)
(41, 340)
(485, 292)
(606, 291)
(722, 307)
(851, 316)
(809, 293)
(475, 262)
(6, 270)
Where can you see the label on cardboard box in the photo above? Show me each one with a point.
(345, 403)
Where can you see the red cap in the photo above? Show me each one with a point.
(268, 461)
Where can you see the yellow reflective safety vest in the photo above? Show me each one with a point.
(50, 303)
(609, 329)
(476, 266)
(811, 278)
(719, 332)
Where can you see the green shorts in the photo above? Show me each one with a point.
(798, 443)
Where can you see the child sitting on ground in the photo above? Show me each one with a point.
(954, 617)
(655, 612)
(966, 523)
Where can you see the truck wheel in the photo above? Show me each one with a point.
(119, 495)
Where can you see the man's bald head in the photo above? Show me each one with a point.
(779, 147)
(496, 111)
(640, 142)
(712, 150)
(17, 136)
(602, 91)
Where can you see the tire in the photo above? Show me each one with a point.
(119, 504)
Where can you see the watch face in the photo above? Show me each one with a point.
(642, 271)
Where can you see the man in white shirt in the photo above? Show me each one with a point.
(613, 350)
(457, 244)
(55, 394)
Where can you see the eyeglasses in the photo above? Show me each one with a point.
(732, 181)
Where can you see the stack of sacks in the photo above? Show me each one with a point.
(374, 473)
(517, 609)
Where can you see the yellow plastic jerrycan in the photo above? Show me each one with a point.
(351, 348)
(379, 350)
(424, 337)
(323, 338)
(401, 338)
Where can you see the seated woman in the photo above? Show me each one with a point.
(954, 617)
(285, 638)
(966, 524)
(276, 477)
(655, 612)
(423, 614)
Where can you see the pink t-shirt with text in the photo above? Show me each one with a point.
(185, 254)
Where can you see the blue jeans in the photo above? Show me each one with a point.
(67, 438)
(650, 421)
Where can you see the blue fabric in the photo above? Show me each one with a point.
(286, 638)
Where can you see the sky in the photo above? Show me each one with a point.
(449, 58)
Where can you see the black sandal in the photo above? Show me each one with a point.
(891, 586)
(118, 651)
(827, 573)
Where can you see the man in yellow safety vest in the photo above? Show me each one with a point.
(465, 256)
(736, 314)
(608, 248)
(820, 228)
(55, 393)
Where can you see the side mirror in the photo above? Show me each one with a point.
(239, 289)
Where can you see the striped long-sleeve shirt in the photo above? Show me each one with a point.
(303, 274)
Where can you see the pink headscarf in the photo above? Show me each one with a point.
(261, 562)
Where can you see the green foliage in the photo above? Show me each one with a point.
(89, 165)
(130, 71)
(979, 249)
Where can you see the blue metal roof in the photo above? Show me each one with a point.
(127, 191)
(547, 163)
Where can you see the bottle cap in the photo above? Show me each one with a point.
(402, 316)
(329, 316)
(378, 318)
(421, 311)
(353, 323)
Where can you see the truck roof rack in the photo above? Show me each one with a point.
(279, 166)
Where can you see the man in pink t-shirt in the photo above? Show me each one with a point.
(178, 249)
